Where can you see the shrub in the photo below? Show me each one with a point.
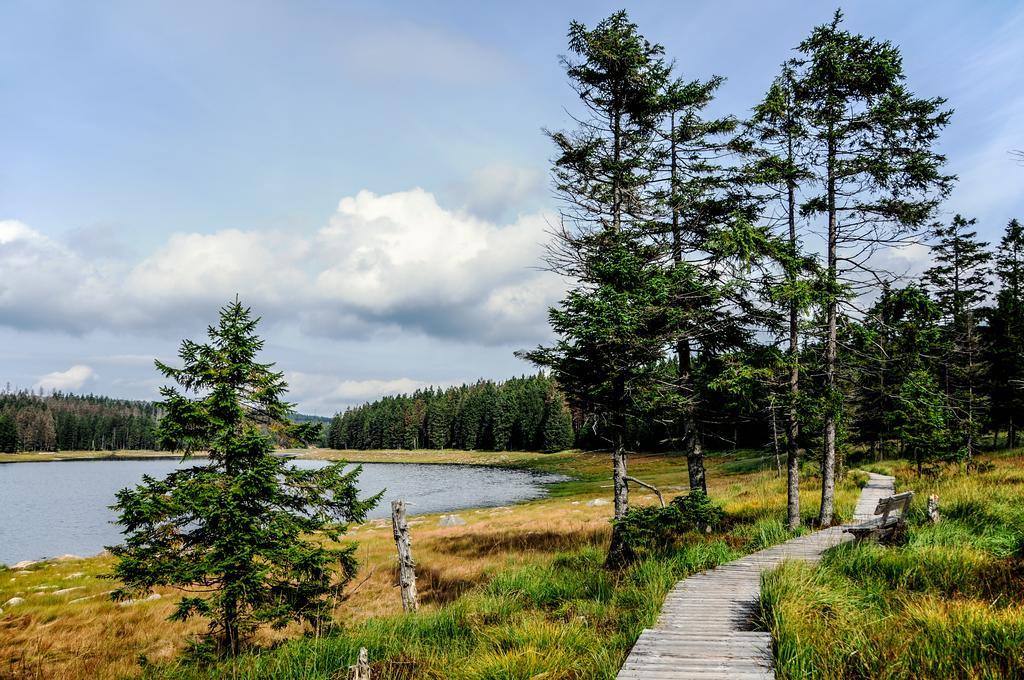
(647, 530)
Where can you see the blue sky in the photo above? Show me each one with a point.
(371, 177)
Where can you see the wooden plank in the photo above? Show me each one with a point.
(703, 631)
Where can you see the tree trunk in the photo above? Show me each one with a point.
(687, 423)
(775, 441)
(792, 424)
(361, 670)
(828, 458)
(231, 643)
(617, 550)
(619, 479)
(406, 564)
(617, 156)
(691, 438)
(694, 459)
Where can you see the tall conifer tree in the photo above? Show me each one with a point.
(1006, 334)
(613, 326)
(959, 280)
(708, 215)
(877, 179)
(777, 131)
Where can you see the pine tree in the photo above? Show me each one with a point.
(706, 214)
(918, 419)
(558, 432)
(877, 180)
(8, 434)
(777, 132)
(900, 335)
(613, 326)
(959, 280)
(236, 532)
(1005, 346)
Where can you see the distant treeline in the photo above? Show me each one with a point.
(521, 414)
(66, 422)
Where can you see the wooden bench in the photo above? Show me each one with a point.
(893, 515)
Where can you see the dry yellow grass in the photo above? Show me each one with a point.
(60, 635)
(47, 456)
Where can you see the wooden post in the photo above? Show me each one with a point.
(361, 671)
(775, 440)
(933, 509)
(406, 565)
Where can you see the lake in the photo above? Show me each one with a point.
(55, 508)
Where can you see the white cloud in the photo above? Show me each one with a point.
(72, 379)
(328, 394)
(403, 259)
(382, 262)
(910, 260)
(44, 284)
(498, 190)
(194, 271)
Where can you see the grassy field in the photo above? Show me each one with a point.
(948, 604)
(502, 458)
(515, 592)
(49, 456)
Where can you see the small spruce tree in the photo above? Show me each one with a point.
(237, 533)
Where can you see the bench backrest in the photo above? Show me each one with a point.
(894, 504)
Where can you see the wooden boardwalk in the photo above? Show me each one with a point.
(706, 629)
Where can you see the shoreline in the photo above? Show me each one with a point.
(71, 456)
(431, 456)
(548, 479)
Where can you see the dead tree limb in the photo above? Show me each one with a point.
(647, 486)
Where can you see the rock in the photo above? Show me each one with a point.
(933, 509)
(42, 587)
(65, 591)
(77, 574)
(451, 521)
(68, 558)
(14, 601)
(597, 502)
(22, 573)
(129, 603)
(24, 564)
(90, 597)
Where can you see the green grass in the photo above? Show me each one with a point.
(517, 592)
(552, 615)
(567, 618)
(948, 604)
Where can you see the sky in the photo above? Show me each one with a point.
(371, 178)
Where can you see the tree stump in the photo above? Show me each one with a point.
(933, 509)
(406, 565)
(361, 671)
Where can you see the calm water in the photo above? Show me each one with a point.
(51, 509)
